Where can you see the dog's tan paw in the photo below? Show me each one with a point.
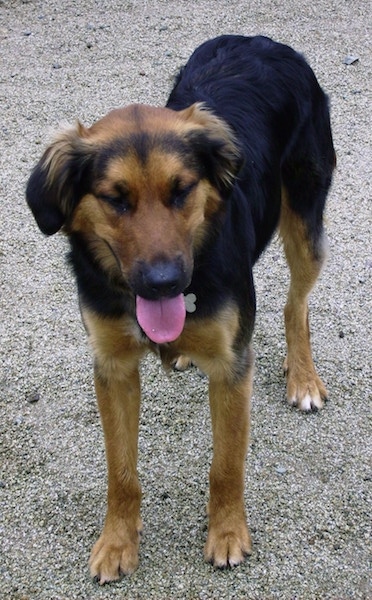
(227, 548)
(113, 556)
(182, 363)
(304, 388)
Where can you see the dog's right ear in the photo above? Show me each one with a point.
(60, 178)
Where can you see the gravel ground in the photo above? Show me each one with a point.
(308, 477)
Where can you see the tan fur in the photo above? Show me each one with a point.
(152, 226)
(228, 536)
(198, 114)
(118, 346)
(118, 243)
(304, 387)
(117, 352)
(209, 344)
(147, 230)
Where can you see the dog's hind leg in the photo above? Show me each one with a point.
(305, 245)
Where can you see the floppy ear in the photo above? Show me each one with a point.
(215, 145)
(60, 178)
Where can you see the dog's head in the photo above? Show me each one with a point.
(141, 186)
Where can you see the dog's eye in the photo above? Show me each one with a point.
(118, 201)
(179, 194)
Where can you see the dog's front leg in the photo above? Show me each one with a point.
(116, 551)
(228, 536)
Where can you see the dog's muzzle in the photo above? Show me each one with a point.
(160, 303)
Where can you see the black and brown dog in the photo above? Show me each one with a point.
(167, 210)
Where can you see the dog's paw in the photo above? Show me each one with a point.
(304, 388)
(113, 556)
(182, 362)
(227, 548)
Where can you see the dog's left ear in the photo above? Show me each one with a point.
(215, 145)
(59, 179)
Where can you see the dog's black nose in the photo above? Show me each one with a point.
(160, 279)
(163, 278)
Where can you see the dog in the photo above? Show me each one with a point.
(166, 211)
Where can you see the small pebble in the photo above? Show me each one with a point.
(33, 397)
(280, 470)
(350, 60)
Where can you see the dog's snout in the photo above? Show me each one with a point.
(163, 278)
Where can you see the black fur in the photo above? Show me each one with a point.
(270, 98)
(52, 202)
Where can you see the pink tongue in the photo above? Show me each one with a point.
(161, 320)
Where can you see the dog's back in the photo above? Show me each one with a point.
(270, 97)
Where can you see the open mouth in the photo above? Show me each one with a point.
(162, 320)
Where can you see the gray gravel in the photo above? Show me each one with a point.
(308, 476)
